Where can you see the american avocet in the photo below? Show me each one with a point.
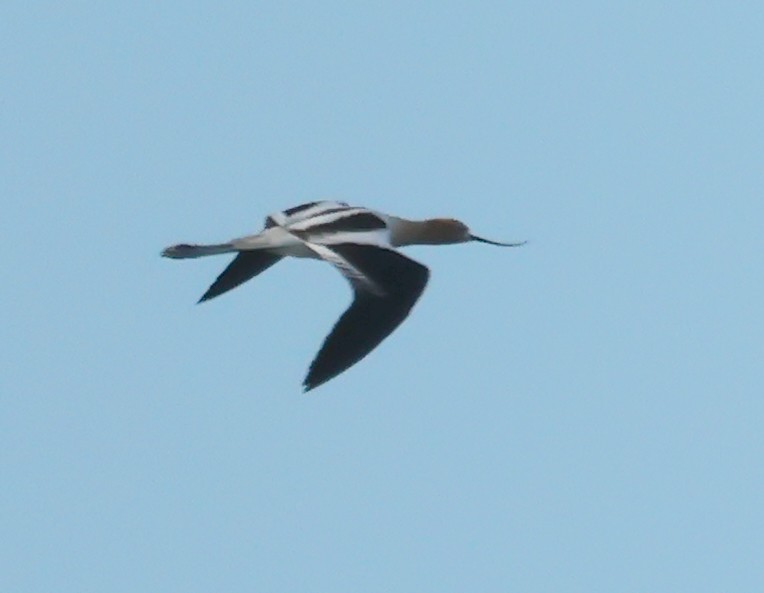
(361, 244)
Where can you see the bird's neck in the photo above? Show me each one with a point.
(413, 232)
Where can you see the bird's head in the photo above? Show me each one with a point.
(445, 231)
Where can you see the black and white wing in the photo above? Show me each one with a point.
(248, 264)
(386, 286)
(303, 212)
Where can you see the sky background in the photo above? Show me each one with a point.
(582, 414)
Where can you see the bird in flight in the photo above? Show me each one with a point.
(361, 244)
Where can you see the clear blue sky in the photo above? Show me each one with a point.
(583, 414)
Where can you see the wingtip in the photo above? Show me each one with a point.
(311, 382)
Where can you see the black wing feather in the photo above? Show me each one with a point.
(245, 266)
(370, 318)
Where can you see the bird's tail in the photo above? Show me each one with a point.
(186, 251)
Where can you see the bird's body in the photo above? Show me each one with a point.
(361, 244)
